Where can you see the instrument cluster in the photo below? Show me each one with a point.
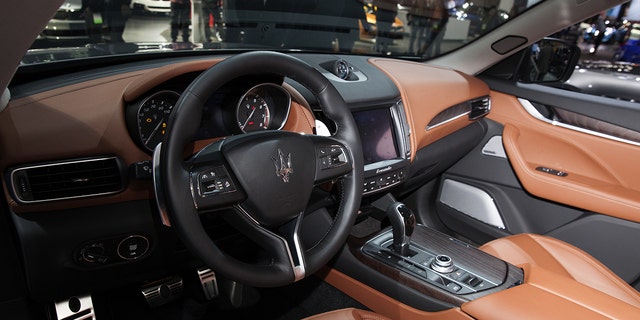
(230, 110)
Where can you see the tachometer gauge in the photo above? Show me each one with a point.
(253, 113)
(153, 115)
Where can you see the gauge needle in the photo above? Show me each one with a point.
(248, 118)
(153, 133)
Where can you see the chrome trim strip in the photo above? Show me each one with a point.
(526, 104)
(399, 118)
(448, 120)
(471, 201)
(299, 271)
(157, 187)
(13, 185)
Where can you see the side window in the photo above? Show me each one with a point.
(610, 53)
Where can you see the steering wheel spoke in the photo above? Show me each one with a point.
(332, 159)
(282, 243)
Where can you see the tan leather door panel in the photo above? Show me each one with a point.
(603, 175)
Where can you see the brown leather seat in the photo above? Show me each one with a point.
(564, 259)
(348, 314)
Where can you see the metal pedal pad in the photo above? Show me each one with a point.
(75, 308)
(209, 283)
(163, 291)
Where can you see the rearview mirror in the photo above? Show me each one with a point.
(549, 60)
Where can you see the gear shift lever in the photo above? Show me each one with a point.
(403, 221)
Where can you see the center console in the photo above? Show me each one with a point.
(454, 267)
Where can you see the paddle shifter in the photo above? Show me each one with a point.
(403, 221)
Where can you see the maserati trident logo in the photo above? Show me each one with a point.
(283, 166)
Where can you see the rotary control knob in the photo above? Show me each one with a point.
(94, 253)
(442, 263)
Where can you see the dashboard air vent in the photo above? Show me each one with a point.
(480, 108)
(68, 179)
(475, 109)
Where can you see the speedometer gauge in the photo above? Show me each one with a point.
(253, 113)
(153, 115)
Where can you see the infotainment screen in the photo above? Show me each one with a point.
(377, 134)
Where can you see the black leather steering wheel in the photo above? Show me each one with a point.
(266, 177)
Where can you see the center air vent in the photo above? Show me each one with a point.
(68, 179)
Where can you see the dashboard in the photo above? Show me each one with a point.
(110, 121)
(122, 112)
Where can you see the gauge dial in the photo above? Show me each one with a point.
(253, 113)
(153, 116)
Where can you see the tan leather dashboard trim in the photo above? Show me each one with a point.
(159, 75)
(381, 303)
(548, 295)
(426, 91)
(602, 175)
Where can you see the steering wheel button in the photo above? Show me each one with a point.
(324, 163)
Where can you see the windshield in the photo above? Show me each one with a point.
(415, 29)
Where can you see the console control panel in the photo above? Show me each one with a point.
(112, 250)
(383, 181)
(432, 267)
(458, 281)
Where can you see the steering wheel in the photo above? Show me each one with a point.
(266, 177)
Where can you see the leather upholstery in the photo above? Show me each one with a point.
(563, 259)
(348, 314)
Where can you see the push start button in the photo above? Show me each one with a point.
(133, 247)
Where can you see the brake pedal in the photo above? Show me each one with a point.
(209, 283)
(163, 291)
(75, 308)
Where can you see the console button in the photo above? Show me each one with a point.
(133, 247)
(474, 282)
(454, 286)
(457, 274)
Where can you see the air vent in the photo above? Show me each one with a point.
(480, 108)
(66, 180)
(475, 109)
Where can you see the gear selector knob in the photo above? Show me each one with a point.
(403, 221)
